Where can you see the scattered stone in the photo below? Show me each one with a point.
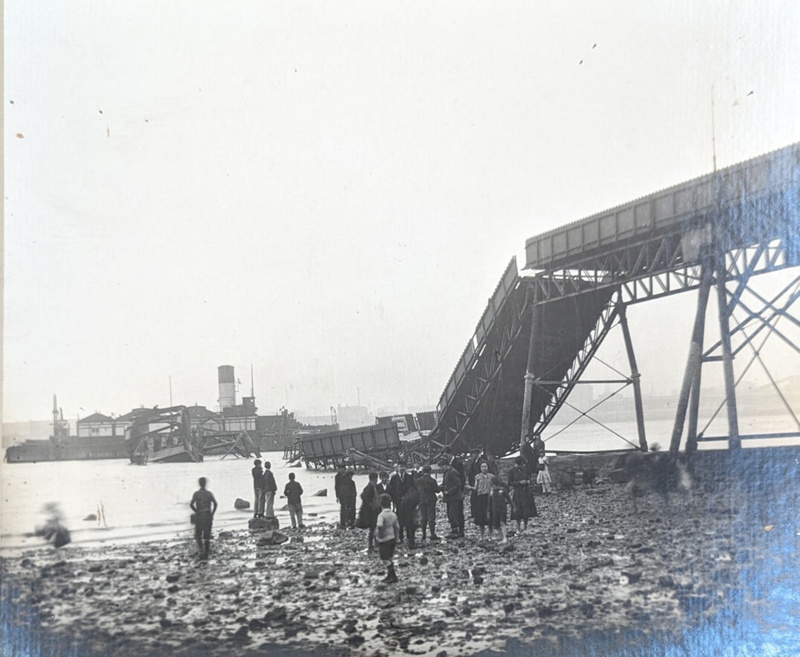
(632, 575)
(321, 493)
(666, 581)
(275, 615)
(225, 535)
(241, 504)
(91, 516)
(263, 523)
(242, 634)
(173, 577)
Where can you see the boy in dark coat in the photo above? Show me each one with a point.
(427, 487)
(293, 491)
(453, 493)
(270, 488)
(347, 517)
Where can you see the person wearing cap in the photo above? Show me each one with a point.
(258, 489)
(456, 463)
(453, 494)
(427, 487)
(405, 497)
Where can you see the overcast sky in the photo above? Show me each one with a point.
(331, 191)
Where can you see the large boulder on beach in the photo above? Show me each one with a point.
(263, 523)
(241, 504)
(321, 493)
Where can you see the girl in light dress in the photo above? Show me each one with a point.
(543, 477)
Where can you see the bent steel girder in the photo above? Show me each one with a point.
(479, 387)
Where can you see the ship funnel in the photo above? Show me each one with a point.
(227, 387)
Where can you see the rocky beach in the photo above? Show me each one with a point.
(713, 572)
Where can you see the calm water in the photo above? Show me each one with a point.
(152, 501)
(143, 502)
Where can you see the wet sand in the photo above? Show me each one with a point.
(711, 574)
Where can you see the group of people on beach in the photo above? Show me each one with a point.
(264, 489)
(393, 507)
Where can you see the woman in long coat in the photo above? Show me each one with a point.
(522, 504)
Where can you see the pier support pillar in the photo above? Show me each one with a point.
(635, 377)
(734, 441)
(693, 363)
(529, 378)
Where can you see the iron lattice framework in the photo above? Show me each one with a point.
(652, 270)
(716, 231)
(559, 390)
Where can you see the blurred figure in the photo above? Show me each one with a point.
(53, 530)
(204, 505)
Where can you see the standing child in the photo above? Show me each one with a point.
(387, 533)
(543, 477)
(293, 491)
(480, 502)
(498, 500)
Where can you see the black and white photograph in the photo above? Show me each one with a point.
(371, 329)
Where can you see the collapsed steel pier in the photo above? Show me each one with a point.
(540, 330)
